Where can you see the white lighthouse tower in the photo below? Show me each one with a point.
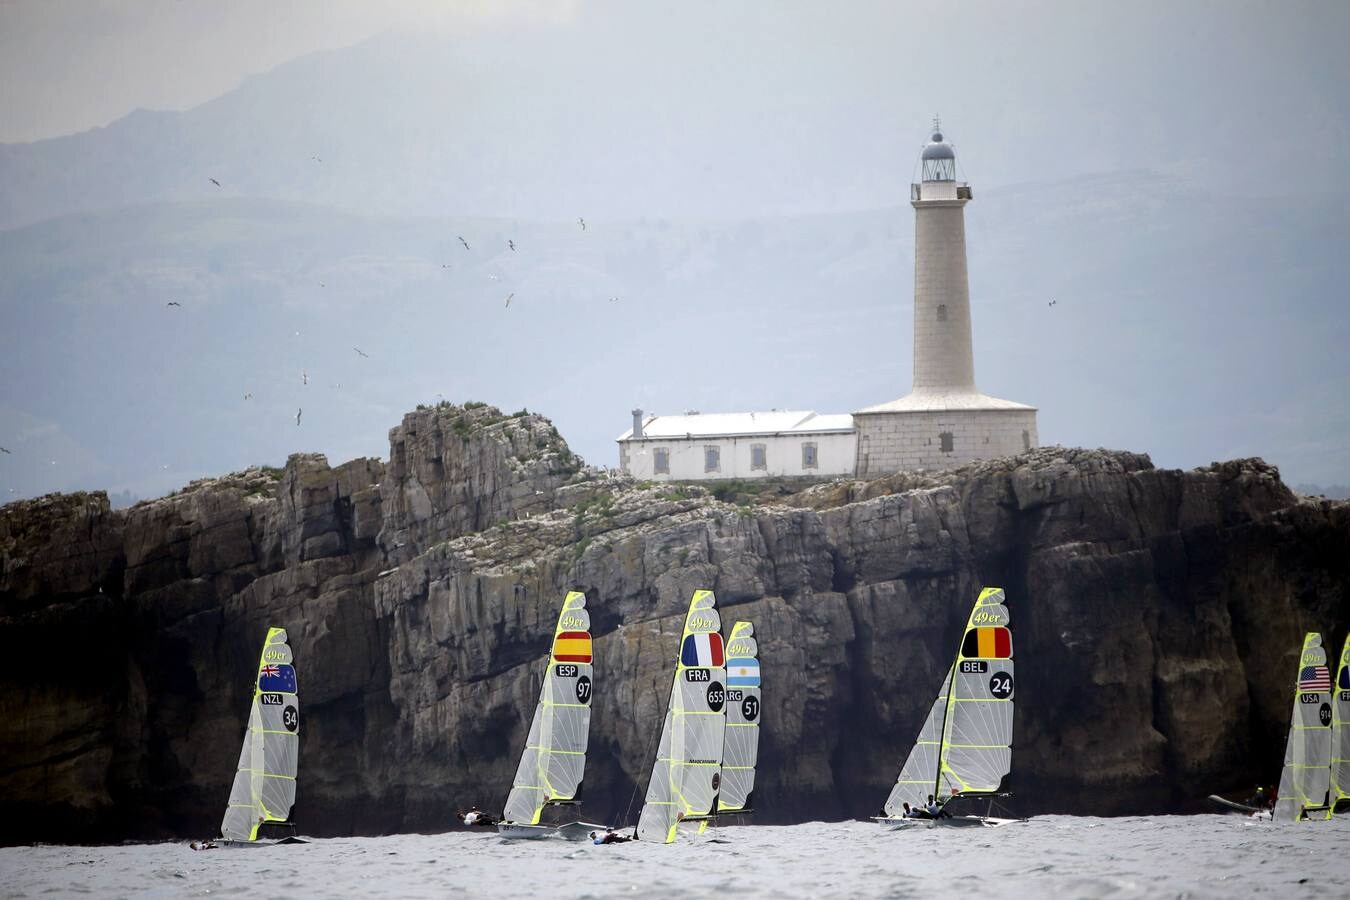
(944, 421)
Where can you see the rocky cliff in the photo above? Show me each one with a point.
(1157, 617)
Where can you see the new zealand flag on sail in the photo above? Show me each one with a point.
(277, 678)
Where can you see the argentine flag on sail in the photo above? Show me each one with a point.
(742, 673)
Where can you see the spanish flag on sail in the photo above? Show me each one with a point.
(572, 646)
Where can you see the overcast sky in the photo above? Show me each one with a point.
(640, 112)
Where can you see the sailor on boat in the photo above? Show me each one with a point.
(203, 845)
(476, 816)
(610, 836)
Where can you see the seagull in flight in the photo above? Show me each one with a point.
(1053, 302)
(3, 450)
(508, 300)
(216, 183)
(583, 223)
(298, 411)
(361, 353)
(493, 278)
(248, 396)
(304, 377)
(174, 303)
(512, 245)
(445, 265)
(613, 299)
(462, 241)
(316, 159)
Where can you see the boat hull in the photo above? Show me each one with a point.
(898, 824)
(572, 831)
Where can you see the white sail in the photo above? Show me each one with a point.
(264, 784)
(1340, 729)
(919, 775)
(977, 736)
(687, 774)
(741, 746)
(965, 745)
(554, 760)
(1306, 777)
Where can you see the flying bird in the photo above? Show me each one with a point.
(216, 183)
(3, 450)
(304, 377)
(297, 417)
(361, 353)
(321, 284)
(583, 223)
(174, 303)
(462, 241)
(248, 396)
(445, 265)
(512, 245)
(493, 278)
(613, 299)
(508, 300)
(316, 159)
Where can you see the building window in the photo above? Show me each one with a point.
(758, 457)
(947, 444)
(809, 458)
(1026, 439)
(661, 461)
(712, 459)
(942, 312)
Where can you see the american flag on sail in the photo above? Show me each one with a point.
(1314, 679)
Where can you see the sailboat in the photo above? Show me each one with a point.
(740, 748)
(965, 746)
(554, 759)
(1340, 735)
(687, 774)
(1306, 778)
(264, 784)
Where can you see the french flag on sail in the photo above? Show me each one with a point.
(702, 650)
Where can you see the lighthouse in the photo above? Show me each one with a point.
(944, 420)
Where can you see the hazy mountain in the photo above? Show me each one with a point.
(1189, 326)
(625, 110)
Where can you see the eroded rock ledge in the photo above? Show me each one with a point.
(1157, 616)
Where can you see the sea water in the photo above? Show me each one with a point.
(1060, 856)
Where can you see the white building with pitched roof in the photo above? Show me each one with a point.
(777, 443)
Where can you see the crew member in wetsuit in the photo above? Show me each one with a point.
(476, 816)
(610, 836)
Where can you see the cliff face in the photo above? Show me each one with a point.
(1157, 617)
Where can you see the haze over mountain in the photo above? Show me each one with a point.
(744, 182)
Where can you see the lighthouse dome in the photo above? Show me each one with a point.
(938, 148)
(939, 157)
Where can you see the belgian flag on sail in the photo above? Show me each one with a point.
(987, 643)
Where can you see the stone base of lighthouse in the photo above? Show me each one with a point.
(940, 431)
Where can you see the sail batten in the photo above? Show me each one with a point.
(965, 745)
(553, 761)
(264, 781)
(687, 773)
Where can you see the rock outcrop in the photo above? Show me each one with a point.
(1157, 617)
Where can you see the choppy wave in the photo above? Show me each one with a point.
(1056, 856)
